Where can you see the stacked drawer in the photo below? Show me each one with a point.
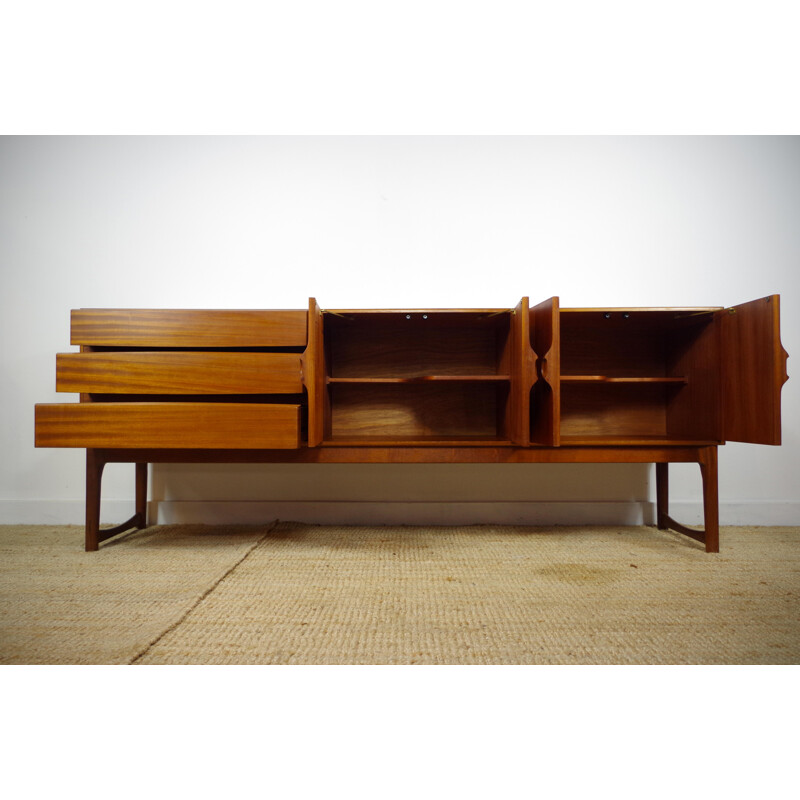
(179, 379)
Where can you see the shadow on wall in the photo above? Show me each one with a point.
(526, 494)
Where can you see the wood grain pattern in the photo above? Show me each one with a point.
(709, 471)
(391, 346)
(371, 440)
(678, 351)
(281, 399)
(314, 375)
(188, 328)
(693, 352)
(404, 411)
(167, 425)
(335, 453)
(178, 372)
(606, 379)
(428, 379)
(624, 440)
(753, 371)
(612, 409)
(545, 340)
(592, 344)
(520, 356)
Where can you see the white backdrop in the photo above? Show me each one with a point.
(265, 222)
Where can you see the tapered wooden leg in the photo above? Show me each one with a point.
(94, 475)
(141, 495)
(708, 469)
(707, 459)
(662, 496)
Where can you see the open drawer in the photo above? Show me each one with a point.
(239, 426)
(169, 372)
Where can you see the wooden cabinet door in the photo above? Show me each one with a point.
(546, 393)
(753, 371)
(314, 376)
(522, 375)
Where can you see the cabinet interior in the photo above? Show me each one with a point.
(418, 376)
(546, 376)
(639, 375)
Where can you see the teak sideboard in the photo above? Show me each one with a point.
(493, 385)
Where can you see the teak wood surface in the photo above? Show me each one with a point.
(178, 372)
(529, 384)
(193, 328)
(179, 425)
(753, 371)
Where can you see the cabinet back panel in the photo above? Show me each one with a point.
(616, 347)
(613, 410)
(384, 346)
(413, 410)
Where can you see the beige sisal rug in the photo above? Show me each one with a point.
(304, 594)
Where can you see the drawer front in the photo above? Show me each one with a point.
(165, 373)
(188, 328)
(236, 426)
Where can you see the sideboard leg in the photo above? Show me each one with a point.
(709, 536)
(708, 469)
(94, 475)
(662, 496)
(141, 496)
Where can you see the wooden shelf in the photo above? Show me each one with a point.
(423, 379)
(609, 379)
(589, 441)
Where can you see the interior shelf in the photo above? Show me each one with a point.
(412, 378)
(567, 441)
(633, 377)
(409, 378)
(422, 379)
(614, 379)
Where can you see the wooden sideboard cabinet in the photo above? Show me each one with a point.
(495, 385)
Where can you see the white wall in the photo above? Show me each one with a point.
(383, 222)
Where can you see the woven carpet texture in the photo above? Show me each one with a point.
(291, 593)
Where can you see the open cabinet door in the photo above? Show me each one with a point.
(753, 371)
(546, 394)
(314, 376)
(522, 375)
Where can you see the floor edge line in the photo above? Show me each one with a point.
(142, 653)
